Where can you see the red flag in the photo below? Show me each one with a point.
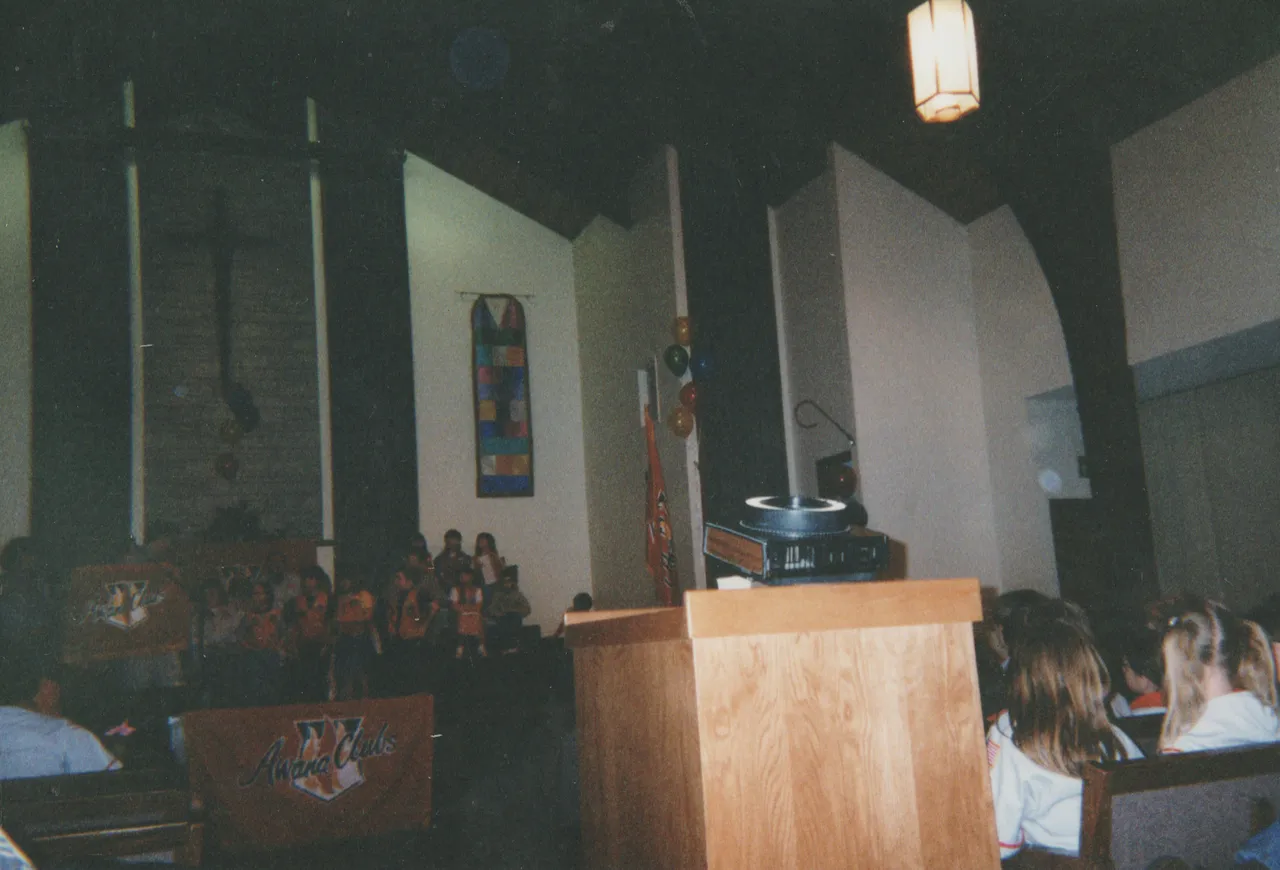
(660, 550)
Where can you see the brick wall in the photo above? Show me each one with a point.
(273, 341)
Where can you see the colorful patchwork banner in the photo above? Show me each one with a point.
(500, 365)
(273, 777)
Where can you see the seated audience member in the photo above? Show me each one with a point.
(469, 603)
(581, 604)
(262, 645)
(451, 560)
(36, 744)
(1056, 723)
(1010, 615)
(310, 642)
(357, 639)
(1143, 672)
(1268, 616)
(508, 609)
(1219, 679)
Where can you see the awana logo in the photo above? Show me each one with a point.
(328, 761)
(124, 604)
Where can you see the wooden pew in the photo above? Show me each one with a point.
(1200, 807)
(115, 814)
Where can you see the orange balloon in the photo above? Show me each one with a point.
(680, 421)
(682, 331)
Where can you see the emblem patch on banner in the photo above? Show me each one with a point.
(124, 604)
(324, 760)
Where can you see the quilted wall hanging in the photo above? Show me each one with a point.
(500, 375)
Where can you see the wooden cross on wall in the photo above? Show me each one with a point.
(223, 242)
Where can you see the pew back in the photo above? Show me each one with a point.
(1200, 807)
(121, 813)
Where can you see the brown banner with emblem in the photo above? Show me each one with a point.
(122, 611)
(282, 776)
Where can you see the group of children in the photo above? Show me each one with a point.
(273, 637)
(1208, 672)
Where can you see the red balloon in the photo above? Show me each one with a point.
(226, 466)
(689, 396)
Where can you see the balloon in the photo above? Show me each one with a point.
(682, 331)
(689, 396)
(677, 360)
(226, 466)
(703, 365)
(231, 432)
(680, 421)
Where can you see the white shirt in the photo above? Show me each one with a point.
(1237, 719)
(36, 745)
(1035, 806)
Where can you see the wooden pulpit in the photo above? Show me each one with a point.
(818, 726)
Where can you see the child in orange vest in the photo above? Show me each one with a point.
(263, 646)
(468, 601)
(357, 639)
(408, 610)
(310, 639)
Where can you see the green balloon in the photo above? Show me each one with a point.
(677, 360)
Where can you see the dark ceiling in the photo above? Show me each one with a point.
(549, 105)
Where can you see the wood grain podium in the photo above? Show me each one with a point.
(820, 726)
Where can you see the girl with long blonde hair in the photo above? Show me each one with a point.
(1219, 678)
(1055, 725)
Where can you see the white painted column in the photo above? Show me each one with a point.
(15, 332)
(784, 354)
(138, 419)
(682, 309)
(324, 553)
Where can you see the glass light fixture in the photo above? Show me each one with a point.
(944, 59)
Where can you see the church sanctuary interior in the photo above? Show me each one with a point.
(640, 434)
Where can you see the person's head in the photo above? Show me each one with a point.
(453, 540)
(315, 581)
(30, 687)
(485, 544)
(582, 602)
(18, 555)
(1009, 614)
(1141, 661)
(1209, 652)
(417, 541)
(416, 560)
(1057, 697)
(465, 575)
(261, 598)
(1268, 616)
(510, 577)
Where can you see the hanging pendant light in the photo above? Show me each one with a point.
(944, 59)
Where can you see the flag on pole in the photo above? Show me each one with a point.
(660, 549)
